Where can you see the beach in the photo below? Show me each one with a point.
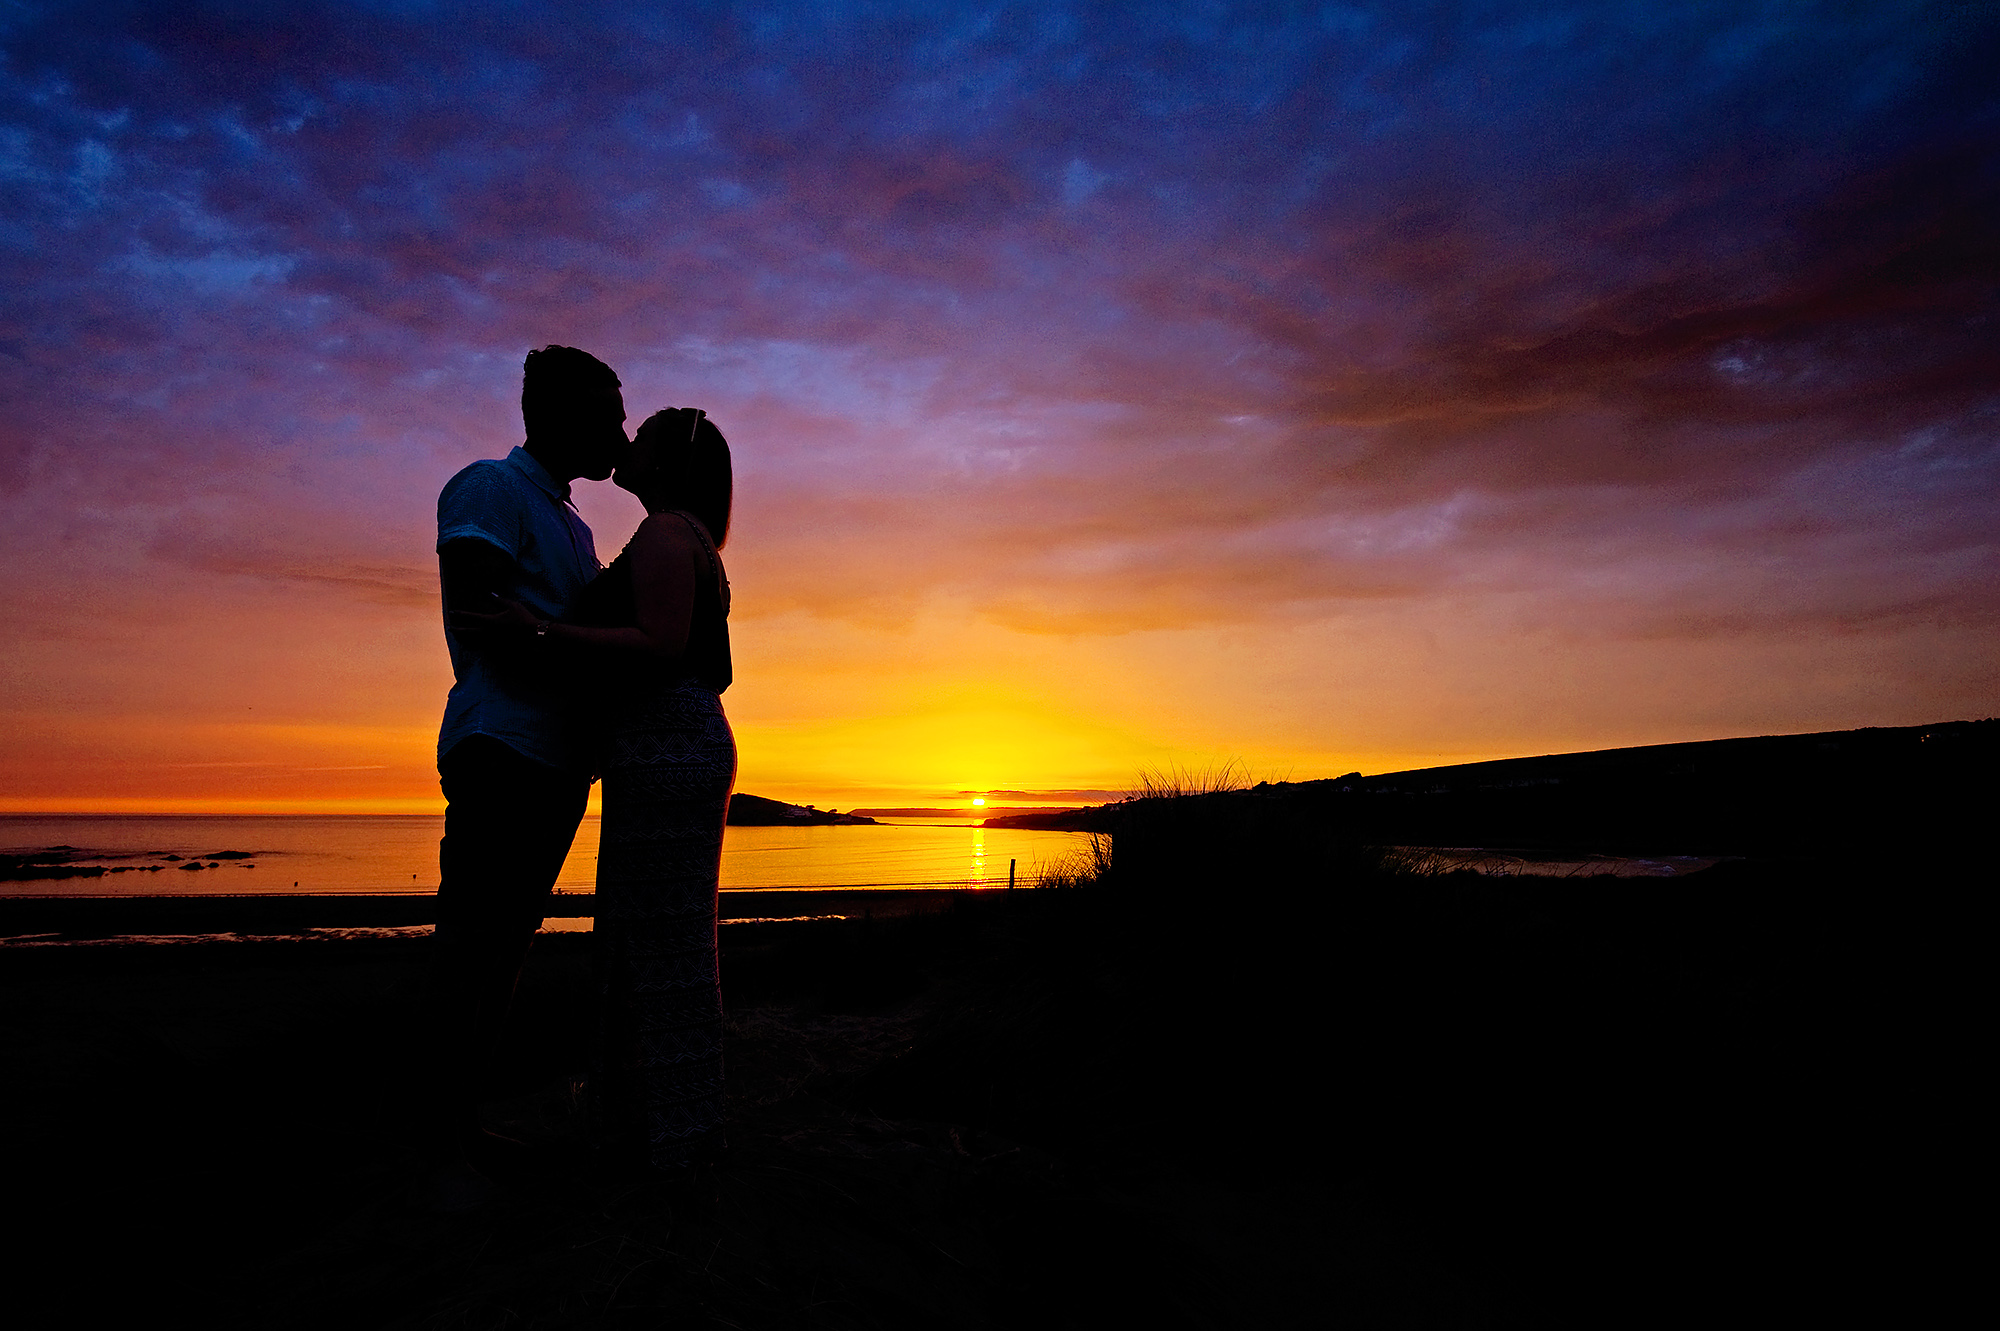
(227, 1127)
(1446, 1101)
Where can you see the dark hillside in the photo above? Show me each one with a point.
(1795, 795)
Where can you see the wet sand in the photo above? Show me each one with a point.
(82, 915)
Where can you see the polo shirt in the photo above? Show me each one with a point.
(513, 503)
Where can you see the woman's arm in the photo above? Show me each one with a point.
(664, 579)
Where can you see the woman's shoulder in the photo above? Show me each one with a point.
(669, 538)
(670, 529)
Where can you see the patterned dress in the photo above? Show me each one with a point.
(669, 762)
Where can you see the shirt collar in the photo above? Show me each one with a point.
(524, 462)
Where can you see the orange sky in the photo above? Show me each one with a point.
(239, 693)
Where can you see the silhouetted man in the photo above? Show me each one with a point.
(511, 759)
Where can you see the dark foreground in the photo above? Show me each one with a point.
(1398, 1102)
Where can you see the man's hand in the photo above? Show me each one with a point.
(506, 619)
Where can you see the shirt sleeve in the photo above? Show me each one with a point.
(480, 504)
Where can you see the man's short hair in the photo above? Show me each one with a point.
(555, 380)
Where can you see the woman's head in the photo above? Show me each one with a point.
(678, 459)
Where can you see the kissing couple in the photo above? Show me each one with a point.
(565, 670)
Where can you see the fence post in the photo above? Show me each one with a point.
(1010, 875)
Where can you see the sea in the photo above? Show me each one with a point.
(201, 854)
(167, 854)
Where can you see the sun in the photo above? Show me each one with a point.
(978, 801)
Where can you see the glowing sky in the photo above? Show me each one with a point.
(1326, 387)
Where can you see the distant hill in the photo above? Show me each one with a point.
(756, 811)
(1052, 820)
(998, 819)
(919, 813)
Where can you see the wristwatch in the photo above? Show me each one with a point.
(542, 627)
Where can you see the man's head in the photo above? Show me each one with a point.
(574, 413)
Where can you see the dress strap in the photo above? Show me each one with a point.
(714, 556)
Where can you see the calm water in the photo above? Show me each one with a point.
(399, 853)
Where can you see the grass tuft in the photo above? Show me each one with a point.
(1086, 866)
(1176, 782)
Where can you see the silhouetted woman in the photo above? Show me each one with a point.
(652, 635)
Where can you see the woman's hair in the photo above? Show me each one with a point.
(694, 473)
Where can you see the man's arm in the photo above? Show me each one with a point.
(664, 552)
(473, 572)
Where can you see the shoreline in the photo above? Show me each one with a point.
(282, 915)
